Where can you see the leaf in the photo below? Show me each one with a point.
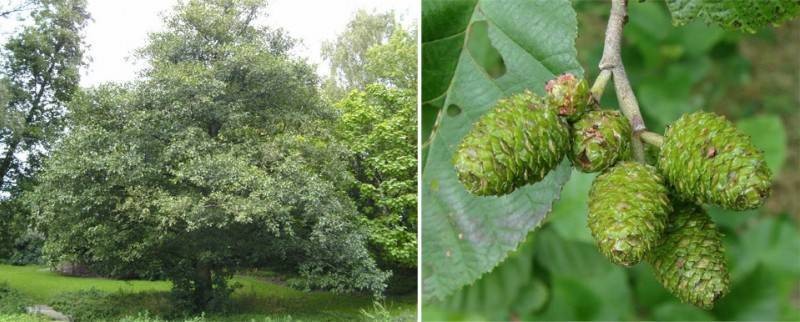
(511, 289)
(773, 242)
(569, 213)
(768, 134)
(674, 311)
(744, 15)
(605, 296)
(754, 298)
(466, 236)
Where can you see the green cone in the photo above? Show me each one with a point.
(690, 260)
(707, 160)
(516, 143)
(569, 94)
(628, 208)
(599, 140)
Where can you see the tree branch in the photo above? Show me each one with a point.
(612, 61)
(599, 85)
(652, 138)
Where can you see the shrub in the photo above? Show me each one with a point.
(11, 300)
(87, 305)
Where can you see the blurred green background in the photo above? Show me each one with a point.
(753, 79)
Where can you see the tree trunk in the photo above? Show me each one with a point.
(203, 286)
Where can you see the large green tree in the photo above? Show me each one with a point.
(378, 125)
(38, 75)
(216, 160)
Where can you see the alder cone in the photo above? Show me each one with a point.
(599, 140)
(707, 160)
(628, 209)
(690, 260)
(569, 95)
(516, 143)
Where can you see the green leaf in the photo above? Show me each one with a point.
(511, 289)
(569, 213)
(602, 295)
(466, 236)
(744, 15)
(768, 135)
(674, 311)
(755, 298)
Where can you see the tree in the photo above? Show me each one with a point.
(378, 69)
(38, 76)
(11, 8)
(379, 127)
(394, 63)
(347, 55)
(218, 159)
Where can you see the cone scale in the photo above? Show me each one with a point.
(628, 208)
(516, 143)
(599, 140)
(707, 160)
(690, 260)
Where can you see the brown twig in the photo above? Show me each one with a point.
(612, 61)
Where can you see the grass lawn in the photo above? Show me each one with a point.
(256, 300)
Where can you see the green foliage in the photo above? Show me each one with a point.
(27, 249)
(379, 127)
(11, 300)
(38, 75)
(87, 305)
(734, 14)
(375, 60)
(395, 61)
(39, 72)
(350, 55)
(522, 289)
(219, 159)
(465, 235)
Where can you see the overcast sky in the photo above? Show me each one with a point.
(121, 26)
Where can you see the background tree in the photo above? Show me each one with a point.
(218, 159)
(39, 72)
(378, 125)
(347, 55)
(10, 8)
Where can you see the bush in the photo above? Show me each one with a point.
(21, 318)
(27, 249)
(11, 300)
(88, 305)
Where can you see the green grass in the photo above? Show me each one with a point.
(256, 299)
(39, 283)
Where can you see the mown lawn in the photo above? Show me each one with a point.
(256, 299)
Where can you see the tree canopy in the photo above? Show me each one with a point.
(378, 125)
(39, 67)
(217, 159)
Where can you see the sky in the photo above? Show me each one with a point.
(121, 26)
